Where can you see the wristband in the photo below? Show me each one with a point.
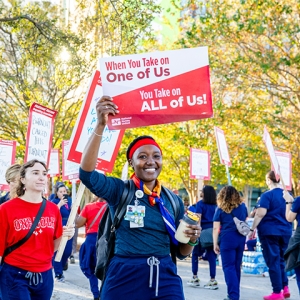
(291, 202)
(193, 244)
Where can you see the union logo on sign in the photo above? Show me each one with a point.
(116, 122)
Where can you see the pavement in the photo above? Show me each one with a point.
(253, 287)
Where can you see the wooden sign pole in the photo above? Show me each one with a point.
(71, 221)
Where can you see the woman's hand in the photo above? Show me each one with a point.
(217, 249)
(251, 234)
(193, 232)
(287, 196)
(69, 231)
(104, 107)
(63, 201)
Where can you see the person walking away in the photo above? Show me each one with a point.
(274, 232)
(141, 267)
(12, 176)
(27, 271)
(251, 243)
(205, 209)
(291, 255)
(64, 203)
(232, 243)
(90, 217)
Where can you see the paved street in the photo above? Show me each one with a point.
(253, 287)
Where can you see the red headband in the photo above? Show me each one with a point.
(140, 143)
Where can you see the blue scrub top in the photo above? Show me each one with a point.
(64, 211)
(296, 209)
(226, 220)
(274, 222)
(207, 212)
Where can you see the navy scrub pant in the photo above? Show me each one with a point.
(232, 245)
(273, 248)
(144, 278)
(16, 284)
(59, 265)
(210, 256)
(87, 262)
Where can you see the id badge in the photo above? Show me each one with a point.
(135, 215)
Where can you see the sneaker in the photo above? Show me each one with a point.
(274, 296)
(227, 298)
(212, 285)
(72, 259)
(286, 292)
(60, 278)
(65, 268)
(194, 282)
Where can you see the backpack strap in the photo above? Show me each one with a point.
(124, 201)
(176, 208)
(174, 203)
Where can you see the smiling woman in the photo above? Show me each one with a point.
(27, 270)
(146, 233)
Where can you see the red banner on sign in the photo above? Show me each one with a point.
(192, 100)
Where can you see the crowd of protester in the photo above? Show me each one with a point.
(273, 215)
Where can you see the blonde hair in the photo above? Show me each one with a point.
(228, 199)
(12, 173)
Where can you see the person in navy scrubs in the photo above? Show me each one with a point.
(293, 213)
(274, 232)
(232, 243)
(64, 203)
(205, 208)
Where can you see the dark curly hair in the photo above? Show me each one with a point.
(229, 198)
(20, 188)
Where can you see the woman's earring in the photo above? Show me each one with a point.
(24, 188)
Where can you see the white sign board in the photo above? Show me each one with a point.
(222, 147)
(199, 164)
(268, 142)
(285, 164)
(7, 158)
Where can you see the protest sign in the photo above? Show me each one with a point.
(53, 168)
(285, 164)
(7, 158)
(158, 88)
(199, 164)
(70, 170)
(85, 124)
(268, 142)
(39, 133)
(222, 147)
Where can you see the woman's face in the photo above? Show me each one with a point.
(61, 191)
(35, 178)
(147, 163)
(13, 183)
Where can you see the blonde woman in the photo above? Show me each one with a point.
(232, 243)
(12, 176)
